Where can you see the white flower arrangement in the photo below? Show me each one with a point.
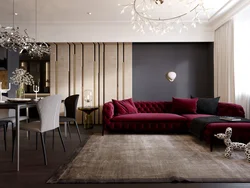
(21, 76)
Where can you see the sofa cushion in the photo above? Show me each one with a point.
(190, 117)
(148, 117)
(184, 106)
(124, 107)
(207, 105)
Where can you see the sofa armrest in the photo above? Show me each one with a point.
(107, 113)
(230, 109)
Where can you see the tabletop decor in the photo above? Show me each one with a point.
(36, 90)
(21, 78)
(88, 97)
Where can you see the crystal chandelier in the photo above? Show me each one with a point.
(12, 39)
(144, 14)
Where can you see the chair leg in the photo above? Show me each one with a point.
(78, 131)
(44, 149)
(4, 135)
(68, 126)
(44, 136)
(13, 143)
(60, 134)
(28, 135)
(36, 139)
(53, 139)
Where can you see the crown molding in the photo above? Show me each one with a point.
(227, 12)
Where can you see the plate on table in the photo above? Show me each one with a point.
(19, 99)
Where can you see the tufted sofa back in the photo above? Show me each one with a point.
(153, 107)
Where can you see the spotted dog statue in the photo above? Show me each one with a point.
(233, 145)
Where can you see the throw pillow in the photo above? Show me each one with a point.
(125, 106)
(184, 106)
(207, 105)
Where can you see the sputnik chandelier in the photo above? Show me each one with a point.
(12, 39)
(148, 14)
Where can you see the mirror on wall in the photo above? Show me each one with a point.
(39, 68)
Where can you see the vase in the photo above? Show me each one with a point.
(20, 92)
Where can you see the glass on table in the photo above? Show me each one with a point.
(36, 90)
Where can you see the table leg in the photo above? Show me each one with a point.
(17, 135)
(27, 121)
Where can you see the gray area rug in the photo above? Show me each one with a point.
(150, 159)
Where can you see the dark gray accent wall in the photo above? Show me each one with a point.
(193, 63)
(13, 63)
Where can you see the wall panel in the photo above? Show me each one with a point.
(53, 60)
(120, 57)
(78, 78)
(110, 72)
(104, 68)
(127, 69)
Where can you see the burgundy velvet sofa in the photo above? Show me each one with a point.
(157, 117)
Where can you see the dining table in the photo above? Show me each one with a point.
(17, 106)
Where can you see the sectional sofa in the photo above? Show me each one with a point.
(159, 117)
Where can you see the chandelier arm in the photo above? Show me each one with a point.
(166, 19)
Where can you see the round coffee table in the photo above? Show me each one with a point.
(88, 110)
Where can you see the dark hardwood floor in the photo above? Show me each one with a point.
(33, 173)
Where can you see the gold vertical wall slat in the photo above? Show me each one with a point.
(52, 69)
(101, 75)
(56, 78)
(110, 70)
(128, 70)
(96, 89)
(72, 70)
(82, 70)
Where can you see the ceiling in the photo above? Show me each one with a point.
(75, 11)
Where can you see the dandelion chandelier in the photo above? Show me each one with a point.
(148, 14)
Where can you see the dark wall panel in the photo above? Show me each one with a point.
(193, 63)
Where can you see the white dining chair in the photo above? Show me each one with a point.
(48, 110)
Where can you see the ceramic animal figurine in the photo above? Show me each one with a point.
(233, 145)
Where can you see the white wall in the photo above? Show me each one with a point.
(112, 32)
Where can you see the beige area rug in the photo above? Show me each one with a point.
(150, 159)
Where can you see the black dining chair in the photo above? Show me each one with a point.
(71, 107)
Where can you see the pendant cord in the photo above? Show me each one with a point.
(36, 21)
(13, 13)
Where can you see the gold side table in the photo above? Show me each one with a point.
(88, 120)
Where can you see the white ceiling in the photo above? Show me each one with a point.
(75, 11)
